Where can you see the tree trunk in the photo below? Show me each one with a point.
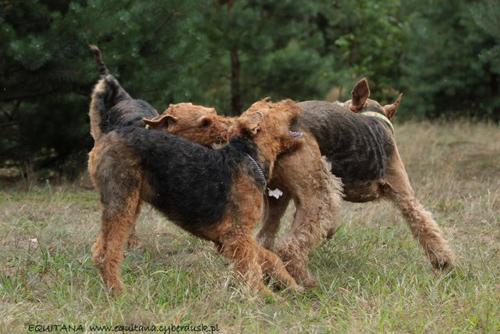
(235, 83)
(495, 92)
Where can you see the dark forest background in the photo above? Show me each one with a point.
(444, 56)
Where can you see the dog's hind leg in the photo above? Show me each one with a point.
(273, 211)
(133, 239)
(120, 199)
(422, 225)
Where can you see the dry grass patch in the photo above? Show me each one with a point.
(373, 275)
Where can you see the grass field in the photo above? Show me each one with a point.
(373, 276)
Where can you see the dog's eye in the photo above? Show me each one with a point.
(205, 123)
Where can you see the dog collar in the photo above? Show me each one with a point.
(259, 170)
(380, 116)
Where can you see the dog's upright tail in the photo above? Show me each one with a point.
(107, 93)
(98, 58)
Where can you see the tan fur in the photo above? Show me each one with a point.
(199, 124)
(118, 217)
(304, 174)
(316, 193)
(423, 227)
(234, 239)
(268, 146)
(94, 115)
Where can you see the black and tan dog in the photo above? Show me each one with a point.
(118, 109)
(357, 138)
(213, 194)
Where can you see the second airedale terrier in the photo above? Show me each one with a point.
(213, 194)
(358, 140)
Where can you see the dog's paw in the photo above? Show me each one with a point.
(310, 282)
(133, 243)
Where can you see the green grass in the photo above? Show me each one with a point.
(373, 276)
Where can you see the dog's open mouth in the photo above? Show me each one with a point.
(297, 134)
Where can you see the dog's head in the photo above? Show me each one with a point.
(270, 127)
(360, 102)
(196, 123)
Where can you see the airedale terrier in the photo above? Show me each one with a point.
(199, 124)
(119, 109)
(213, 194)
(357, 138)
(361, 153)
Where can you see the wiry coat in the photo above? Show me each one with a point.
(358, 147)
(362, 151)
(187, 182)
(215, 195)
(359, 152)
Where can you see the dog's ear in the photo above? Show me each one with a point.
(390, 109)
(204, 122)
(250, 123)
(162, 123)
(360, 94)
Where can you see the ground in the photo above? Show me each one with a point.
(373, 276)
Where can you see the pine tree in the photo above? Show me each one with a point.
(47, 71)
(364, 38)
(487, 16)
(443, 73)
(258, 49)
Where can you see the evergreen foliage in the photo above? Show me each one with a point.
(444, 55)
(258, 49)
(487, 16)
(442, 68)
(47, 71)
(363, 39)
